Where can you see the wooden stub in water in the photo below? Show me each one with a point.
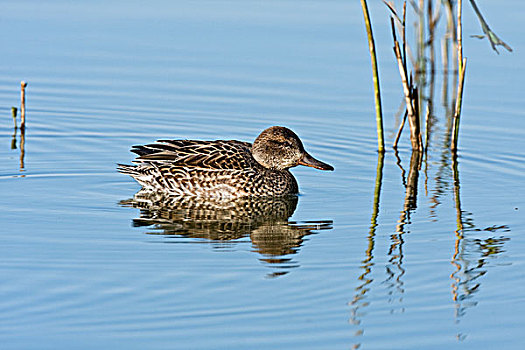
(23, 105)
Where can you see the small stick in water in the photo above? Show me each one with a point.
(23, 105)
(400, 129)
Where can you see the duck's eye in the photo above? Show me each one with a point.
(278, 143)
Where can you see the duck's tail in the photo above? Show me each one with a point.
(127, 169)
(141, 174)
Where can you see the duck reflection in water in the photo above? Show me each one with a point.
(265, 220)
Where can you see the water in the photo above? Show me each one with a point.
(82, 267)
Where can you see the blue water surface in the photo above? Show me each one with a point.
(397, 256)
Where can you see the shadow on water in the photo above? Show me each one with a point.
(225, 222)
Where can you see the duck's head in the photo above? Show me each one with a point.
(280, 148)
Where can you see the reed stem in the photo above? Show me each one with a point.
(461, 68)
(400, 130)
(375, 72)
(457, 113)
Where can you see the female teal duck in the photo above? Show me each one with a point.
(222, 169)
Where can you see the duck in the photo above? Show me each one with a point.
(224, 169)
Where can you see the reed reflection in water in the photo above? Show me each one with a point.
(471, 252)
(265, 220)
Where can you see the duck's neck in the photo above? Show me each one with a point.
(278, 182)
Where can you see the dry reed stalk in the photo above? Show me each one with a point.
(410, 95)
(402, 27)
(457, 113)
(400, 130)
(23, 105)
(375, 72)
(461, 66)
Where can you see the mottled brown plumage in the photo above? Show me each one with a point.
(222, 169)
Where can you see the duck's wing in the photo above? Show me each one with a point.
(220, 154)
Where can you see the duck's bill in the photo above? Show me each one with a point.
(310, 161)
